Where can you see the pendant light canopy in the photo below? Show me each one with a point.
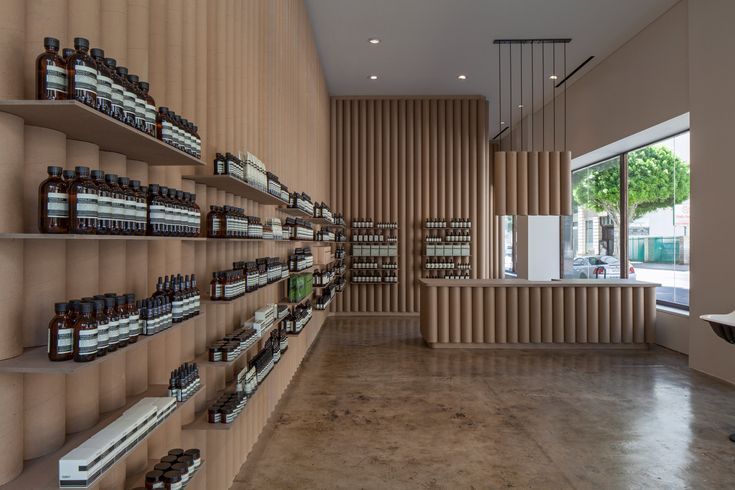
(532, 169)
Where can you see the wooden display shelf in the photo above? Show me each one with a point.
(296, 212)
(34, 360)
(43, 473)
(201, 421)
(374, 283)
(375, 269)
(81, 122)
(138, 480)
(302, 271)
(203, 359)
(320, 221)
(246, 239)
(228, 301)
(237, 187)
(336, 276)
(373, 243)
(72, 236)
(285, 301)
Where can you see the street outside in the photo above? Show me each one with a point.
(674, 280)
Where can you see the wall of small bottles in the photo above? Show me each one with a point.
(184, 382)
(447, 245)
(246, 277)
(90, 78)
(374, 252)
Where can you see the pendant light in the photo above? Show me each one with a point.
(532, 174)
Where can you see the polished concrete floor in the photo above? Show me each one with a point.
(371, 407)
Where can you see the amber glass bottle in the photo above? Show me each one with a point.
(85, 335)
(129, 206)
(53, 203)
(156, 211)
(164, 127)
(117, 97)
(60, 335)
(134, 317)
(82, 203)
(103, 326)
(68, 176)
(81, 73)
(139, 102)
(65, 55)
(124, 315)
(150, 109)
(114, 323)
(104, 203)
(215, 227)
(50, 72)
(128, 97)
(117, 201)
(140, 207)
(104, 82)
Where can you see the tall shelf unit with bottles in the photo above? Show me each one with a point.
(374, 252)
(446, 248)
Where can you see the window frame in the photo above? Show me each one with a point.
(623, 159)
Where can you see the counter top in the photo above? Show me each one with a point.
(526, 283)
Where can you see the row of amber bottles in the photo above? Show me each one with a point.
(92, 79)
(85, 329)
(80, 201)
(87, 202)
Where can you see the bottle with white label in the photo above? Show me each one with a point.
(103, 326)
(118, 205)
(104, 203)
(139, 102)
(118, 97)
(104, 82)
(60, 335)
(164, 126)
(85, 335)
(50, 72)
(128, 97)
(140, 207)
(130, 208)
(82, 203)
(81, 73)
(150, 109)
(53, 203)
(156, 211)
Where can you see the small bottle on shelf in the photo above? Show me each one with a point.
(128, 97)
(82, 193)
(104, 82)
(104, 203)
(124, 319)
(113, 323)
(50, 72)
(53, 203)
(85, 335)
(81, 73)
(139, 100)
(150, 108)
(60, 335)
(117, 96)
(103, 326)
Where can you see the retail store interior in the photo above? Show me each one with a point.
(296, 244)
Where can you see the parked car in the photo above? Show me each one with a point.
(599, 267)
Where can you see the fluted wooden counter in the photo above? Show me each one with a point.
(519, 313)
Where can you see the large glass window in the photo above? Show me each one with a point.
(591, 236)
(510, 238)
(658, 217)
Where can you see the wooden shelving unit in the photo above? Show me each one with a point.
(296, 212)
(237, 187)
(230, 301)
(379, 258)
(83, 123)
(442, 232)
(203, 359)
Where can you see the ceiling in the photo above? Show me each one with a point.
(425, 44)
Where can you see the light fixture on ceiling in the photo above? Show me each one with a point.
(520, 106)
(502, 123)
(373, 77)
(462, 77)
(374, 40)
(553, 77)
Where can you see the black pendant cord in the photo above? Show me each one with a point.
(543, 96)
(533, 107)
(510, 88)
(553, 93)
(500, 102)
(565, 99)
(521, 104)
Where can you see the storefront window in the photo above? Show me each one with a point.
(509, 234)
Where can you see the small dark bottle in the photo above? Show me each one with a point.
(164, 126)
(68, 176)
(124, 314)
(114, 323)
(65, 55)
(104, 203)
(50, 72)
(85, 335)
(128, 97)
(197, 216)
(103, 327)
(156, 211)
(117, 97)
(140, 207)
(53, 203)
(60, 335)
(118, 205)
(134, 317)
(82, 203)
(139, 102)
(104, 82)
(81, 72)
(150, 109)
(129, 206)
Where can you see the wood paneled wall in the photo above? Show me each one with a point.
(406, 159)
(248, 73)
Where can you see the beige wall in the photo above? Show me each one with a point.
(248, 73)
(711, 79)
(406, 159)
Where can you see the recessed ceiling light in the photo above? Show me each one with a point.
(502, 123)
(462, 77)
(373, 77)
(520, 106)
(553, 77)
(374, 40)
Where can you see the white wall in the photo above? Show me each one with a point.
(538, 249)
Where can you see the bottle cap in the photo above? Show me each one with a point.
(81, 43)
(97, 53)
(86, 307)
(68, 174)
(135, 184)
(163, 110)
(60, 307)
(153, 188)
(109, 302)
(54, 170)
(124, 181)
(176, 452)
(66, 52)
(144, 86)
(120, 300)
(153, 476)
(51, 42)
(111, 178)
(130, 297)
(162, 467)
(133, 78)
(122, 71)
(98, 174)
(99, 304)
(81, 170)
(111, 62)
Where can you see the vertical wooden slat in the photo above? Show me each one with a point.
(535, 316)
(565, 177)
(580, 303)
(522, 183)
(570, 311)
(543, 183)
(489, 326)
(650, 315)
(478, 318)
(547, 315)
(639, 317)
(511, 182)
(500, 183)
(616, 321)
(558, 305)
(626, 313)
(533, 183)
(554, 183)
(524, 312)
(501, 315)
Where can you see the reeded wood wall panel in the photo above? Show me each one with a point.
(532, 183)
(406, 159)
(248, 73)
